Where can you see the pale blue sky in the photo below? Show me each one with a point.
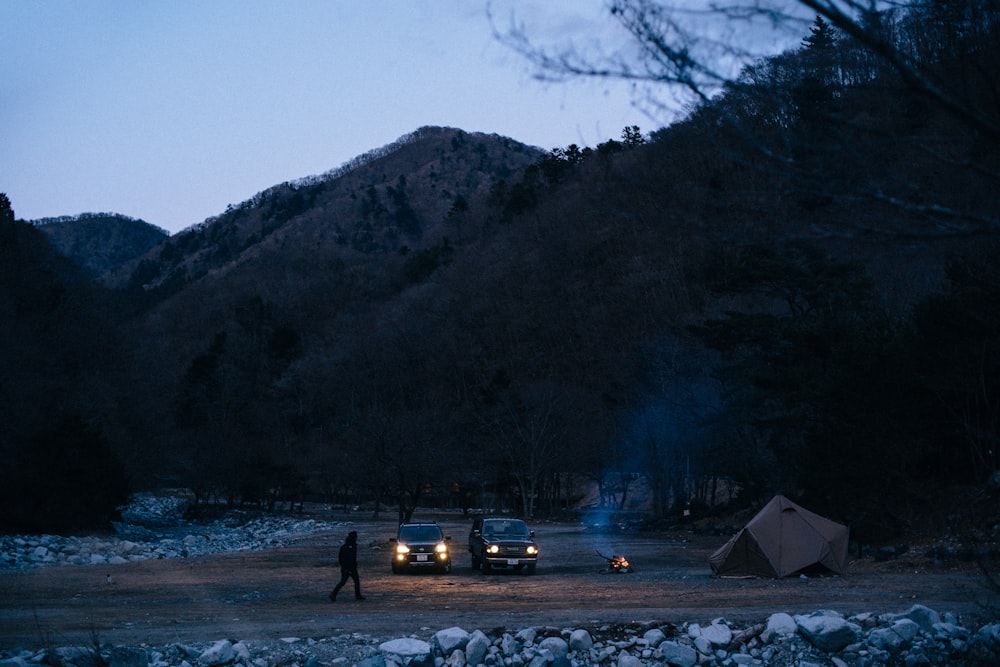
(168, 110)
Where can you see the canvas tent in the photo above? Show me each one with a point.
(781, 540)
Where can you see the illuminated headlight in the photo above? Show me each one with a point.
(532, 550)
(493, 549)
(441, 548)
(402, 549)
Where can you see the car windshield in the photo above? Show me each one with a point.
(505, 528)
(420, 534)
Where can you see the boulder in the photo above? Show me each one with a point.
(406, 647)
(919, 614)
(476, 649)
(580, 640)
(827, 630)
(778, 625)
(626, 659)
(678, 655)
(559, 649)
(219, 653)
(717, 633)
(449, 639)
(654, 637)
(897, 636)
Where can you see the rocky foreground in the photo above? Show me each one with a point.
(920, 636)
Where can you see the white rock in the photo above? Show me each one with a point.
(717, 633)
(778, 625)
(450, 639)
(654, 637)
(405, 647)
(219, 653)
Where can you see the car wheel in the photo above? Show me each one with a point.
(531, 568)
(395, 569)
(445, 569)
(487, 568)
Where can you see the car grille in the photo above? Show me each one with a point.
(511, 552)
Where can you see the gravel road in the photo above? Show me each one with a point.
(282, 592)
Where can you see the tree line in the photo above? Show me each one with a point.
(787, 290)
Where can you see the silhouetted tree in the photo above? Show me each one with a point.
(6, 211)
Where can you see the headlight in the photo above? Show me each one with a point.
(532, 549)
(402, 549)
(492, 549)
(441, 548)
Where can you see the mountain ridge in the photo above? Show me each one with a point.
(100, 242)
(382, 201)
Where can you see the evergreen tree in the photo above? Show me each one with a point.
(6, 211)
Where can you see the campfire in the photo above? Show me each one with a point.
(616, 564)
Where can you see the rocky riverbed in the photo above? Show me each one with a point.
(154, 529)
(920, 636)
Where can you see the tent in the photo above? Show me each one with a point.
(783, 539)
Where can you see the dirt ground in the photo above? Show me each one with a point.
(277, 593)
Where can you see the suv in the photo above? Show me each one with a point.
(498, 542)
(420, 546)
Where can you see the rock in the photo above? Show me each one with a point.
(124, 656)
(717, 634)
(242, 652)
(921, 615)
(456, 659)
(677, 654)
(78, 656)
(895, 637)
(219, 653)
(406, 647)
(580, 640)
(476, 649)
(654, 637)
(450, 639)
(526, 636)
(559, 649)
(779, 625)
(827, 630)
(629, 660)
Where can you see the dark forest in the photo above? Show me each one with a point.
(795, 288)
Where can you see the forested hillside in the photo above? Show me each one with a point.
(795, 288)
(100, 242)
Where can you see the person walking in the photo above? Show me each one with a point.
(348, 559)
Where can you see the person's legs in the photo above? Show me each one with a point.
(344, 574)
(357, 586)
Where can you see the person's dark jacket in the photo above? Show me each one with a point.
(348, 555)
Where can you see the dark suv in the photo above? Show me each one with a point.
(498, 542)
(420, 546)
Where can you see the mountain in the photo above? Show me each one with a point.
(100, 242)
(389, 200)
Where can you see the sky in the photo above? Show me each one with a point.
(168, 111)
